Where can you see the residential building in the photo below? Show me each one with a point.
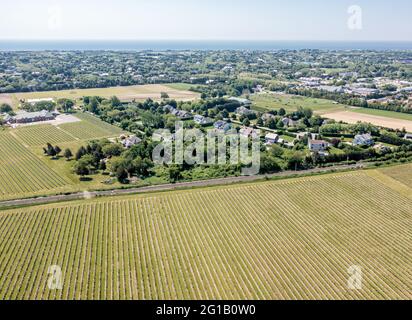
(222, 125)
(289, 122)
(204, 121)
(243, 111)
(408, 136)
(29, 117)
(272, 138)
(249, 132)
(318, 145)
(131, 141)
(182, 114)
(242, 101)
(363, 140)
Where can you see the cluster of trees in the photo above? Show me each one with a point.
(39, 106)
(120, 162)
(54, 151)
(338, 128)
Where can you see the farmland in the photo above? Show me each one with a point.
(127, 93)
(22, 173)
(328, 109)
(402, 174)
(266, 102)
(90, 128)
(378, 120)
(41, 134)
(288, 239)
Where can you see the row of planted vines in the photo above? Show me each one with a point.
(292, 239)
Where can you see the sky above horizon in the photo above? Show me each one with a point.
(337, 20)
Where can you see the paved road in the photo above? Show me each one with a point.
(168, 187)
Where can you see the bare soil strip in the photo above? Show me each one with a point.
(353, 117)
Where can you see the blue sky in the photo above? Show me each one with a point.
(204, 19)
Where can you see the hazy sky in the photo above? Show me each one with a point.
(206, 19)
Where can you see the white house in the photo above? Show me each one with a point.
(242, 111)
(243, 102)
(408, 136)
(202, 120)
(131, 141)
(249, 132)
(363, 140)
(272, 138)
(318, 145)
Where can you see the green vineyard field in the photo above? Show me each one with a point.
(21, 172)
(289, 239)
(39, 135)
(90, 128)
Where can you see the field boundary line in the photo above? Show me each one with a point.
(14, 135)
(390, 182)
(58, 128)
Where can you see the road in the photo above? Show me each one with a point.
(168, 187)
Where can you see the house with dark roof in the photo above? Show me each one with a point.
(29, 117)
(204, 121)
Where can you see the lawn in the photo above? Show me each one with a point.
(265, 102)
(289, 239)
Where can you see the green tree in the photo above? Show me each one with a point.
(82, 168)
(68, 154)
(5, 108)
(80, 153)
(112, 150)
(175, 173)
(57, 150)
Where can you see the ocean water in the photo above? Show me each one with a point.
(19, 45)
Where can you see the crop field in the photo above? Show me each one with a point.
(127, 93)
(90, 128)
(265, 102)
(288, 239)
(328, 109)
(353, 116)
(21, 172)
(402, 174)
(37, 135)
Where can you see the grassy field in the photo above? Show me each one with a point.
(127, 93)
(402, 174)
(23, 174)
(90, 128)
(290, 239)
(264, 102)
